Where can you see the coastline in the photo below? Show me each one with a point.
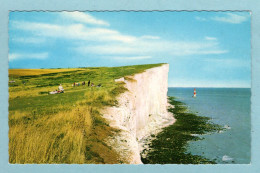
(140, 112)
(228, 107)
(170, 145)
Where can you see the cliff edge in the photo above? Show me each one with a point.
(141, 112)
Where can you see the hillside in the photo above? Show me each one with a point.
(66, 127)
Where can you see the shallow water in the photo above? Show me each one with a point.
(229, 107)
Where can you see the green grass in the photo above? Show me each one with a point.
(68, 127)
(169, 147)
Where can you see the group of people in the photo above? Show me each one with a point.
(60, 90)
(84, 83)
(78, 84)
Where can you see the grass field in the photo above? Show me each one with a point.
(67, 127)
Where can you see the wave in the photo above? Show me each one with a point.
(226, 158)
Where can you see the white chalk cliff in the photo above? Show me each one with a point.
(141, 111)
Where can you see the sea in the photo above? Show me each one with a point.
(229, 107)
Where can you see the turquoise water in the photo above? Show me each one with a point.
(229, 107)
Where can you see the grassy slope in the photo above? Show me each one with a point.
(63, 128)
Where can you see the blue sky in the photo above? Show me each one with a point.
(204, 49)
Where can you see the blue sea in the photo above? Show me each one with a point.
(229, 107)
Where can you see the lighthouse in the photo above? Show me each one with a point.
(194, 92)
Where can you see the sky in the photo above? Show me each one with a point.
(203, 49)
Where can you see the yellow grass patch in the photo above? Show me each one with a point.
(32, 72)
(65, 137)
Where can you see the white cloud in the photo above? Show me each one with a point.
(227, 18)
(210, 38)
(212, 52)
(15, 56)
(231, 62)
(75, 31)
(132, 58)
(150, 37)
(231, 18)
(33, 40)
(84, 18)
(200, 18)
(144, 48)
(37, 28)
(104, 41)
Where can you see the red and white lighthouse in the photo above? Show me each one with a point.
(194, 92)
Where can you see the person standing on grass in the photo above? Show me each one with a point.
(61, 88)
(88, 83)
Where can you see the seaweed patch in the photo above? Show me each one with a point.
(170, 146)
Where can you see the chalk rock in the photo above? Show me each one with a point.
(142, 111)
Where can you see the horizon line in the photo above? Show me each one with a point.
(89, 66)
(205, 87)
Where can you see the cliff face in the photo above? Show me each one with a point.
(142, 111)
